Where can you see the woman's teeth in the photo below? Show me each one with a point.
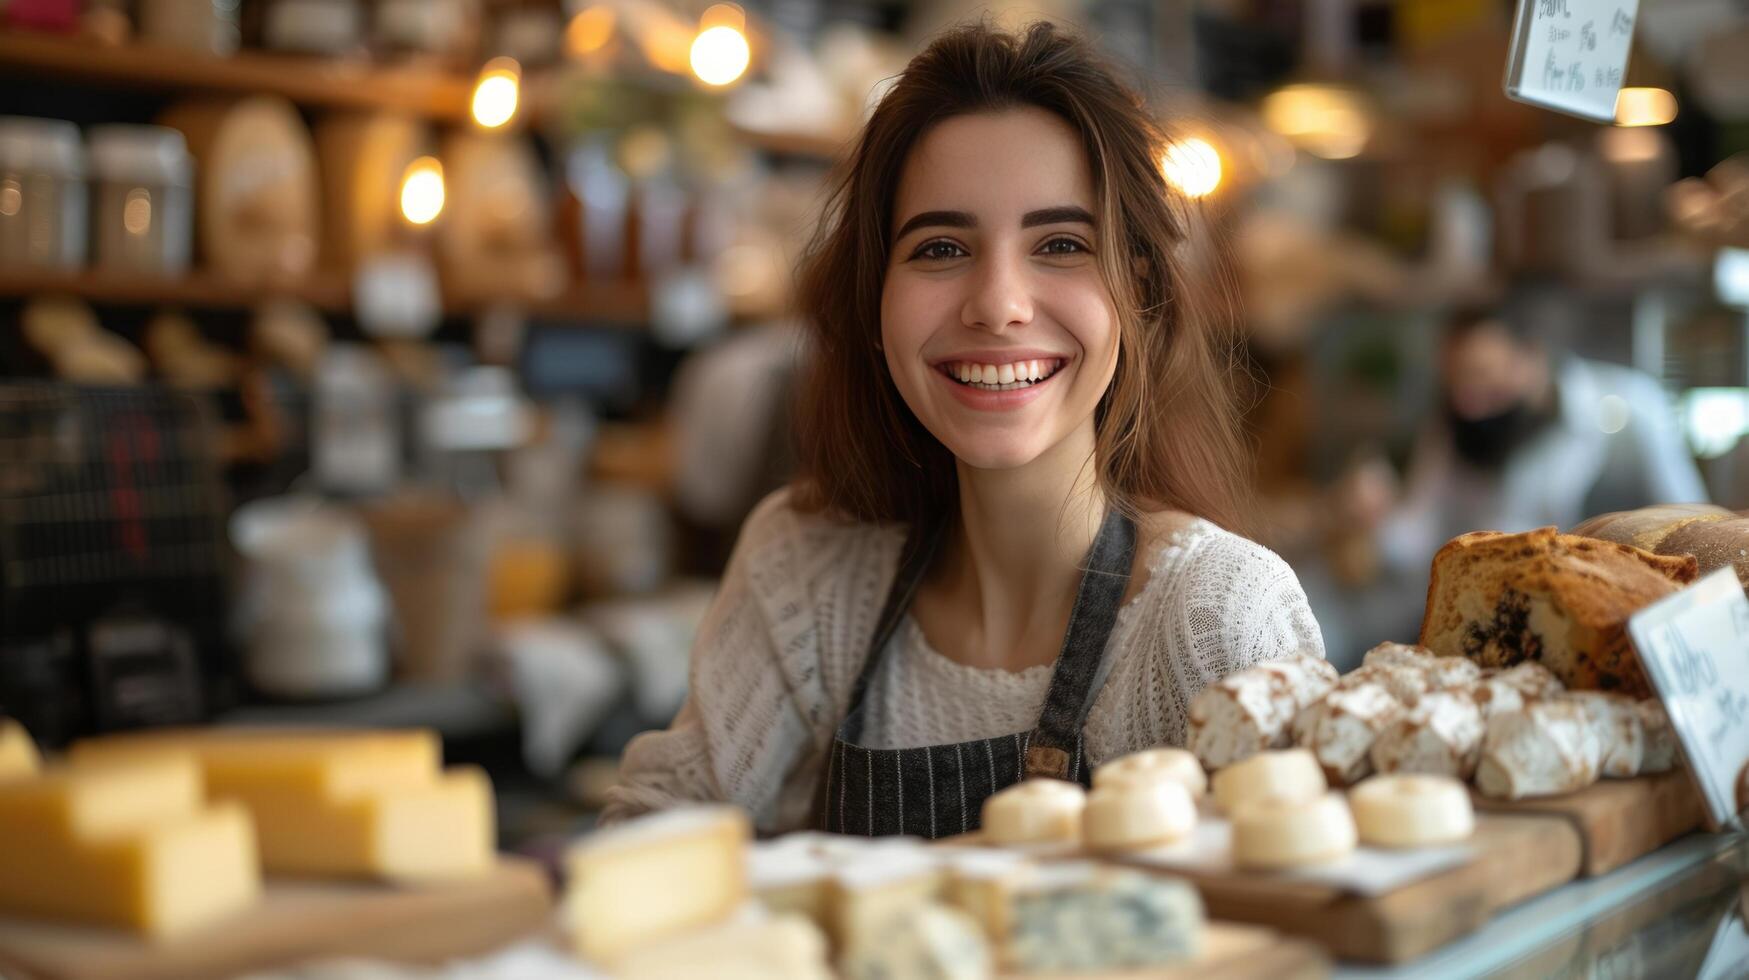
(1003, 377)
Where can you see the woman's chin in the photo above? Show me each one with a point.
(1002, 455)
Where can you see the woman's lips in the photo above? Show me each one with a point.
(985, 400)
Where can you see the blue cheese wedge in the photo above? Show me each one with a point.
(1086, 917)
(925, 942)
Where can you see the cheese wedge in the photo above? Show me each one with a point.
(18, 755)
(160, 879)
(79, 804)
(656, 877)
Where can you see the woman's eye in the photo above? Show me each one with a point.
(1062, 246)
(938, 250)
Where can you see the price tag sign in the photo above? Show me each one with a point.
(1695, 647)
(1569, 55)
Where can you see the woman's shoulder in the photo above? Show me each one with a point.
(784, 546)
(1192, 556)
(781, 518)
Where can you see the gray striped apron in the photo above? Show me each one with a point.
(939, 790)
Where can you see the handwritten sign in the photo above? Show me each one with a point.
(1695, 647)
(1569, 55)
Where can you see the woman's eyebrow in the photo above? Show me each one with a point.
(943, 219)
(1055, 216)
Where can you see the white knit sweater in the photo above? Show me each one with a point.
(779, 650)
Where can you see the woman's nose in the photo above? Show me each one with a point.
(999, 297)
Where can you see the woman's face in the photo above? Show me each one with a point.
(998, 330)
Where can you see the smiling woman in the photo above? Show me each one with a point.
(1010, 551)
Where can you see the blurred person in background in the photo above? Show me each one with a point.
(1524, 435)
(1012, 548)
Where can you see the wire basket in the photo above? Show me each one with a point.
(111, 556)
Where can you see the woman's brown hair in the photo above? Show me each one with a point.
(1168, 428)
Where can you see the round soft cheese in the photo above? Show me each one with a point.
(1283, 833)
(1412, 810)
(1291, 774)
(1035, 811)
(1149, 765)
(1126, 815)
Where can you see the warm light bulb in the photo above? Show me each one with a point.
(1193, 166)
(590, 30)
(422, 191)
(720, 55)
(1644, 107)
(496, 93)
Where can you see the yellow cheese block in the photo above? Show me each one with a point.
(18, 756)
(317, 764)
(656, 877)
(446, 829)
(357, 804)
(70, 804)
(160, 879)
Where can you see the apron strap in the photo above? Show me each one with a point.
(1073, 685)
(919, 552)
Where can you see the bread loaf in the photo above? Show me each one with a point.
(1560, 600)
(1715, 537)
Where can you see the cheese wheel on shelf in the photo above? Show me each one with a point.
(1125, 816)
(494, 239)
(1290, 774)
(1035, 811)
(1442, 735)
(1548, 748)
(1176, 765)
(1287, 833)
(258, 207)
(364, 158)
(1403, 810)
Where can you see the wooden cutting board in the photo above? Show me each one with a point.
(1618, 820)
(1517, 856)
(295, 922)
(1230, 952)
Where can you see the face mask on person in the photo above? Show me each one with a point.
(1488, 442)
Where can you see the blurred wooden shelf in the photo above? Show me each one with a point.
(814, 146)
(352, 83)
(330, 293)
(608, 304)
(601, 304)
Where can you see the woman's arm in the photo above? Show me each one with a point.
(743, 735)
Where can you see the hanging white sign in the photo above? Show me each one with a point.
(1570, 55)
(1695, 648)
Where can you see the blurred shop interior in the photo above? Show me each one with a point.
(414, 362)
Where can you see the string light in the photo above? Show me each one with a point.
(720, 53)
(497, 92)
(590, 30)
(1644, 107)
(1193, 166)
(422, 191)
